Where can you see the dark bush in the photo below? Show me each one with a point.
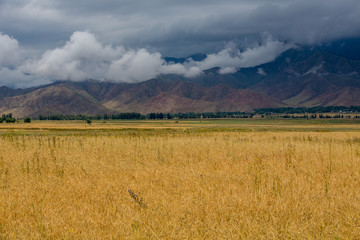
(27, 120)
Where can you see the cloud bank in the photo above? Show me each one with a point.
(85, 57)
(35, 47)
(179, 28)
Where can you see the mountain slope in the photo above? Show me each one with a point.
(298, 77)
(91, 98)
(179, 96)
(51, 100)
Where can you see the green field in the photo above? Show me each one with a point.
(198, 125)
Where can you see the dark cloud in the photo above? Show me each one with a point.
(142, 32)
(179, 27)
(309, 22)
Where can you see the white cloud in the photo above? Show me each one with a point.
(261, 71)
(84, 57)
(227, 70)
(135, 66)
(9, 51)
(180, 69)
(231, 58)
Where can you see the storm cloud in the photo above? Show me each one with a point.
(83, 57)
(179, 28)
(111, 39)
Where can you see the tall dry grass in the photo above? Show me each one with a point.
(181, 186)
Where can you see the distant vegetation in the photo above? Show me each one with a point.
(288, 112)
(300, 112)
(8, 118)
(131, 115)
(27, 120)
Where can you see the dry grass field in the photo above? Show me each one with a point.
(186, 180)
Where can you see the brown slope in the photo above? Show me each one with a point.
(347, 97)
(180, 96)
(98, 90)
(229, 99)
(140, 96)
(162, 102)
(309, 78)
(50, 100)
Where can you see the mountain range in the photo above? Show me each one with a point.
(298, 77)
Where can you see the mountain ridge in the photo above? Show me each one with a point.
(298, 77)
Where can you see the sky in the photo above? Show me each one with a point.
(42, 41)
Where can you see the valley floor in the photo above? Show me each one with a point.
(174, 179)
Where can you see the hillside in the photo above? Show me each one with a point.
(298, 77)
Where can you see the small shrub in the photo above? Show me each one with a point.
(27, 120)
(10, 120)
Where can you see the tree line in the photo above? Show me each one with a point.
(304, 110)
(8, 118)
(130, 115)
(139, 116)
(288, 112)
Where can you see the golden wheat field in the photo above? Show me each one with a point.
(268, 180)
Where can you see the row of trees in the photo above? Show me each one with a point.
(192, 115)
(134, 115)
(313, 116)
(304, 110)
(131, 115)
(7, 118)
(159, 116)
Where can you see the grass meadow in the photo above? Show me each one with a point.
(218, 179)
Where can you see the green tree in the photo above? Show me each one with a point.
(10, 120)
(27, 120)
(152, 116)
